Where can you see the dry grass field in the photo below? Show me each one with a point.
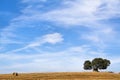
(62, 76)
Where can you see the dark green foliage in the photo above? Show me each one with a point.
(96, 64)
(87, 65)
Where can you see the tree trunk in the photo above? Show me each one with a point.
(95, 70)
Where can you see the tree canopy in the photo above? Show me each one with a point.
(96, 64)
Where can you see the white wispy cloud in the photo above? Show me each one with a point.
(100, 37)
(88, 13)
(7, 37)
(73, 12)
(48, 38)
(84, 12)
(53, 38)
(70, 59)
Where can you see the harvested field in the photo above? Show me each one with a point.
(62, 76)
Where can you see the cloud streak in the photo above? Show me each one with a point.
(66, 60)
(84, 12)
(39, 41)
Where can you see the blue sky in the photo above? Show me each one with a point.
(58, 35)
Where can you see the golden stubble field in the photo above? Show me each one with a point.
(62, 76)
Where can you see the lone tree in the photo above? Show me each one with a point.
(96, 64)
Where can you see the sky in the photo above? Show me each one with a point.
(58, 35)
